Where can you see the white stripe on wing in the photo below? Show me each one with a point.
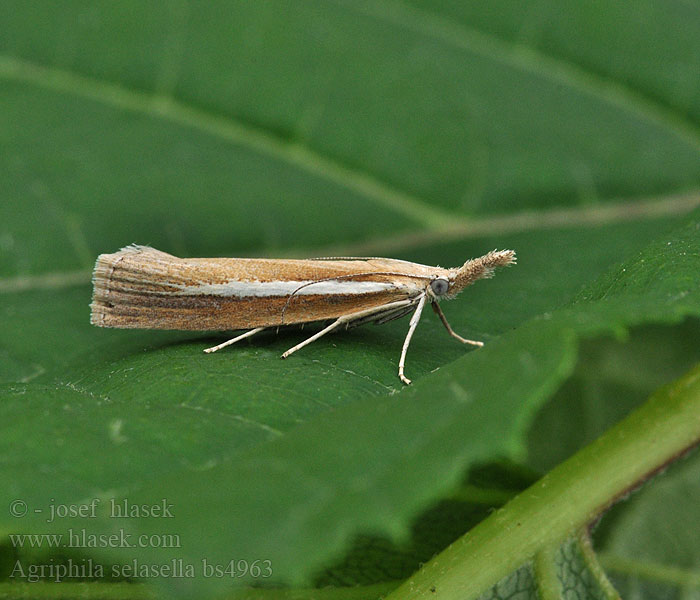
(267, 289)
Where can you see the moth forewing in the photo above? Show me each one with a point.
(140, 287)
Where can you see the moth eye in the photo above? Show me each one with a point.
(439, 286)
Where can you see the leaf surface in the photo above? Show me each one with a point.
(432, 132)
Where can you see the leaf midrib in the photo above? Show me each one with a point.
(526, 221)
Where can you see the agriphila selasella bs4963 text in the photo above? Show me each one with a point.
(140, 287)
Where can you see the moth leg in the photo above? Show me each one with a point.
(438, 311)
(411, 328)
(234, 340)
(315, 336)
(346, 319)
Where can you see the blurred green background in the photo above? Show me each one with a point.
(427, 130)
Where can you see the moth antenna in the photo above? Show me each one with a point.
(481, 268)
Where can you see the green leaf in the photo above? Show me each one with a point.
(647, 555)
(612, 378)
(427, 131)
(560, 571)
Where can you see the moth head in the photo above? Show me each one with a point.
(478, 268)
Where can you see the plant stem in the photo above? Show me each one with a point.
(568, 498)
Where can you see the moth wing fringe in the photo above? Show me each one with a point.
(112, 271)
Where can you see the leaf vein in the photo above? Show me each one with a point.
(239, 418)
(227, 128)
(531, 60)
(650, 570)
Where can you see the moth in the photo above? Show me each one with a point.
(141, 287)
